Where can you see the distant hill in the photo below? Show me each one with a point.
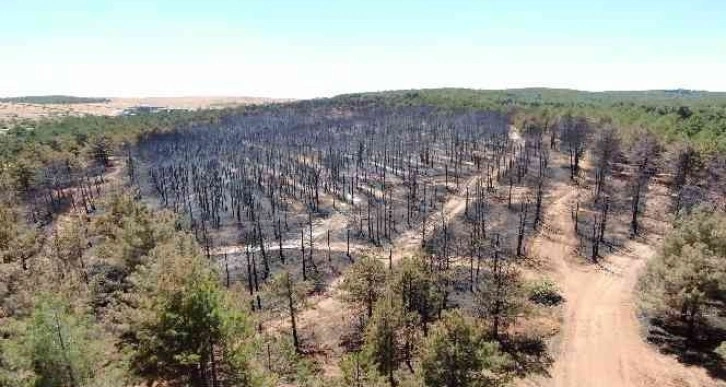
(53, 100)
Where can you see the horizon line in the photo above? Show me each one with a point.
(204, 95)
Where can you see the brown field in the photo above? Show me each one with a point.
(13, 111)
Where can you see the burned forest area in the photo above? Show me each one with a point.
(364, 242)
(328, 183)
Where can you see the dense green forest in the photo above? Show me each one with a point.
(113, 271)
(676, 115)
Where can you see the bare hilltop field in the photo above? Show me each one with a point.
(20, 108)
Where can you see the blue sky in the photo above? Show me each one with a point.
(300, 49)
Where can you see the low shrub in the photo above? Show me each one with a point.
(544, 292)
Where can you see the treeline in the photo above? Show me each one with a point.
(674, 115)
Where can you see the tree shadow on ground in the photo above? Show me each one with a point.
(529, 353)
(672, 339)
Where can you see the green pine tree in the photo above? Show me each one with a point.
(58, 346)
(185, 324)
(687, 278)
(384, 344)
(364, 283)
(359, 371)
(455, 354)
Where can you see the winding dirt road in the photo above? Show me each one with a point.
(600, 343)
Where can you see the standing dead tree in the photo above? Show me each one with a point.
(574, 134)
(606, 150)
(522, 226)
(599, 224)
(683, 160)
(292, 296)
(642, 157)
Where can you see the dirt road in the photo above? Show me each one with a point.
(600, 343)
